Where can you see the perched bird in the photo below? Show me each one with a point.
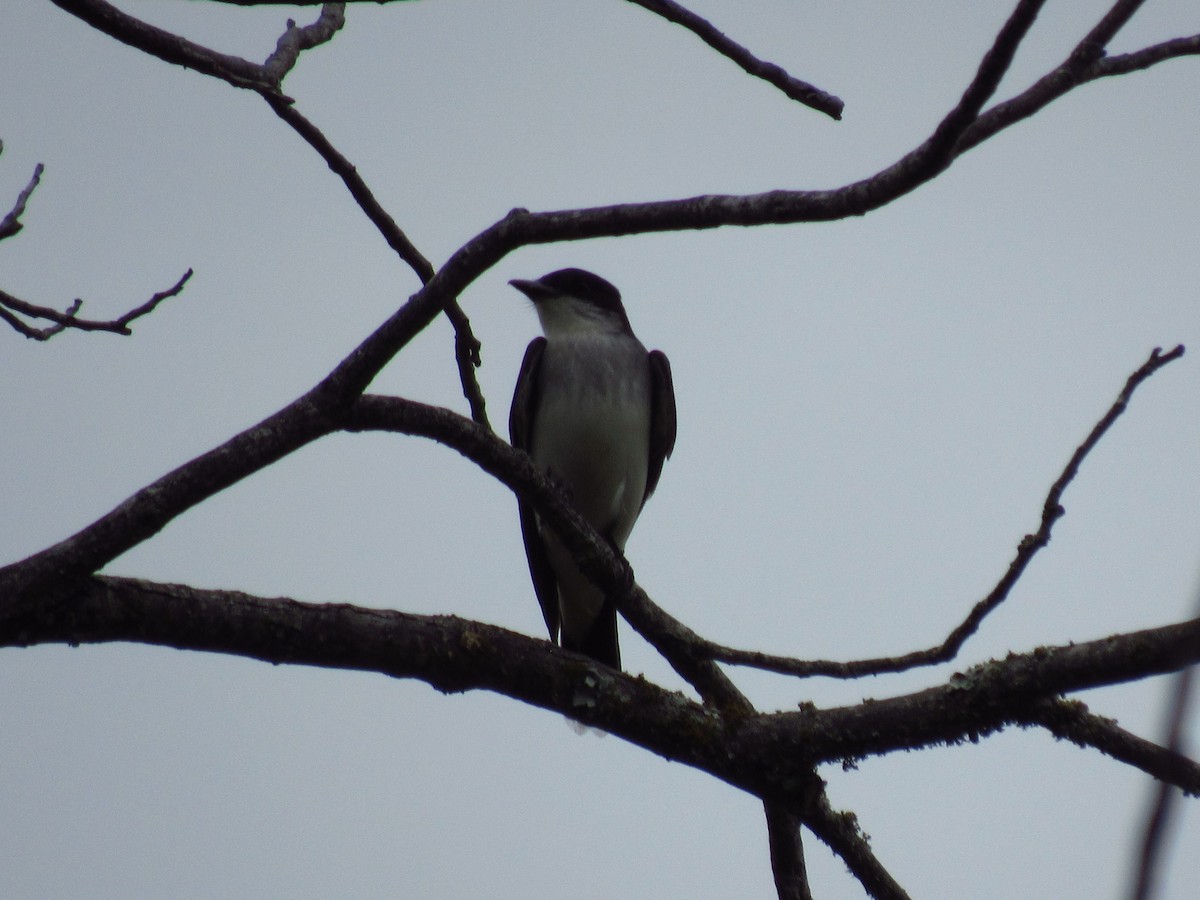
(597, 412)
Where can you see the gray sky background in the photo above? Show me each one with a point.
(870, 414)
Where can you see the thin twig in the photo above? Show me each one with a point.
(1166, 797)
(68, 318)
(800, 91)
(11, 223)
(1028, 547)
(466, 345)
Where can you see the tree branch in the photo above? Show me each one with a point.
(800, 91)
(768, 755)
(69, 318)
(11, 223)
(1070, 720)
(1028, 547)
(295, 40)
(840, 832)
(266, 80)
(984, 698)
(1165, 797)
(787, 853)
(168, 47)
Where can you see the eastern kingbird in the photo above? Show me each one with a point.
(596, 411)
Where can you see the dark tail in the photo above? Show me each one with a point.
(600, 642)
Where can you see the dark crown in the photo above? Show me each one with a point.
(585, 286)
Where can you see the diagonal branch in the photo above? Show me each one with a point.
(1071, 721)
(171, 48)
(69, 318)
(800, 91)
(840, 832)
(1028, 547)
(466, 345)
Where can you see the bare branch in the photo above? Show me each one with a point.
(467, 356)
(266, 80)
(1165, 797)
(1070, 720)
(800, 91)
(466, 345)
(453, 654)
(344, 169)
(1086, 62)
(169, 47)
(987, 697)
(787, 854)
(295, 40)
(1147, 57)
(37, 334)
(68, 318)
(1028, 547)
(149, 510)
(840, 832)
(11, 223)
(595, 555)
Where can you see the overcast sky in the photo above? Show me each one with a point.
(870, 414)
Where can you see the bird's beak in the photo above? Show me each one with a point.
(534, 290)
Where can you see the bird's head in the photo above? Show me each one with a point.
(574, 302)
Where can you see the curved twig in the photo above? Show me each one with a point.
(1028, 547)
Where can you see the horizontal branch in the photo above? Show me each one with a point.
(449, 653)
(769, 755)
(985, 698)
(69, 319)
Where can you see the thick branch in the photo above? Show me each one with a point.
(769, 755)
(787, 853)
(989, 696)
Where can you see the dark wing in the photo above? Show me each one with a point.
(520, 432)
(662, 418)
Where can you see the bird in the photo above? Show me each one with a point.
(596, 411)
